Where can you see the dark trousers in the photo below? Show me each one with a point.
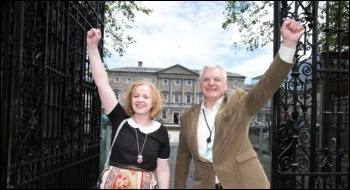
(218, 186)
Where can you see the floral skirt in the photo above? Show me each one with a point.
(118, 178)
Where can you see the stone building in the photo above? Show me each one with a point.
(178, 84)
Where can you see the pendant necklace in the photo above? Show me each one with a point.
(209, 138)
(139, 156)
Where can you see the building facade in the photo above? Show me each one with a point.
(178, 84)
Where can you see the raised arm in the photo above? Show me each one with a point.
(99, 74)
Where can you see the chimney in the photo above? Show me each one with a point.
(140, 63)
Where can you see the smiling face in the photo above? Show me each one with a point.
(142, 100)
(213, 85)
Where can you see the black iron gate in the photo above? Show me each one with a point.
(50, 111)
(310, 140)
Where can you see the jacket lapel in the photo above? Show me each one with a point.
(193, 138)
(220, 128)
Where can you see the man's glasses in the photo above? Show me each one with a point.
(216, 79)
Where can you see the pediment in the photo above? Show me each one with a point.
(177, 69)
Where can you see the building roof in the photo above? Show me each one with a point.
(159, 69)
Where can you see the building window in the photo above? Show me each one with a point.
(189, 98)
(189, 82)
(116, 80)
(166, 97)
(163, 114)
(259, 117)
(165, 81)
(177, 81)
(234, 85)
(129, 80)
(117, 92)
(177, 98)
(199, 98)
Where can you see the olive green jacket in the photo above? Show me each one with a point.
(235, 162)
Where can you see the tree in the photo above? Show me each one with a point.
(256, 33)
(119, 16)
(333, 24)
(247, 15)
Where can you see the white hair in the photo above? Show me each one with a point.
(210, 66)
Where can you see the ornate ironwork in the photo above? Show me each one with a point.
(311, 146)
(54, 141)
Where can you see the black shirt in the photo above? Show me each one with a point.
(124, 150)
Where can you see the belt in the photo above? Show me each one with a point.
(218, 186)
(128, 167)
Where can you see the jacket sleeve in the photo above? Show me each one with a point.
(268, 84)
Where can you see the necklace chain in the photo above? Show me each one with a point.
(139, 156)
(209, 138)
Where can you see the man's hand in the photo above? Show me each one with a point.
(291, 32)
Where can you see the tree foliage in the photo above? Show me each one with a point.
(256, 32)
(119, 15)
(247, 15)
(333, 27)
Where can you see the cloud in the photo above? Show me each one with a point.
(189, 33)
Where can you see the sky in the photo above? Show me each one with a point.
(189, 33)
